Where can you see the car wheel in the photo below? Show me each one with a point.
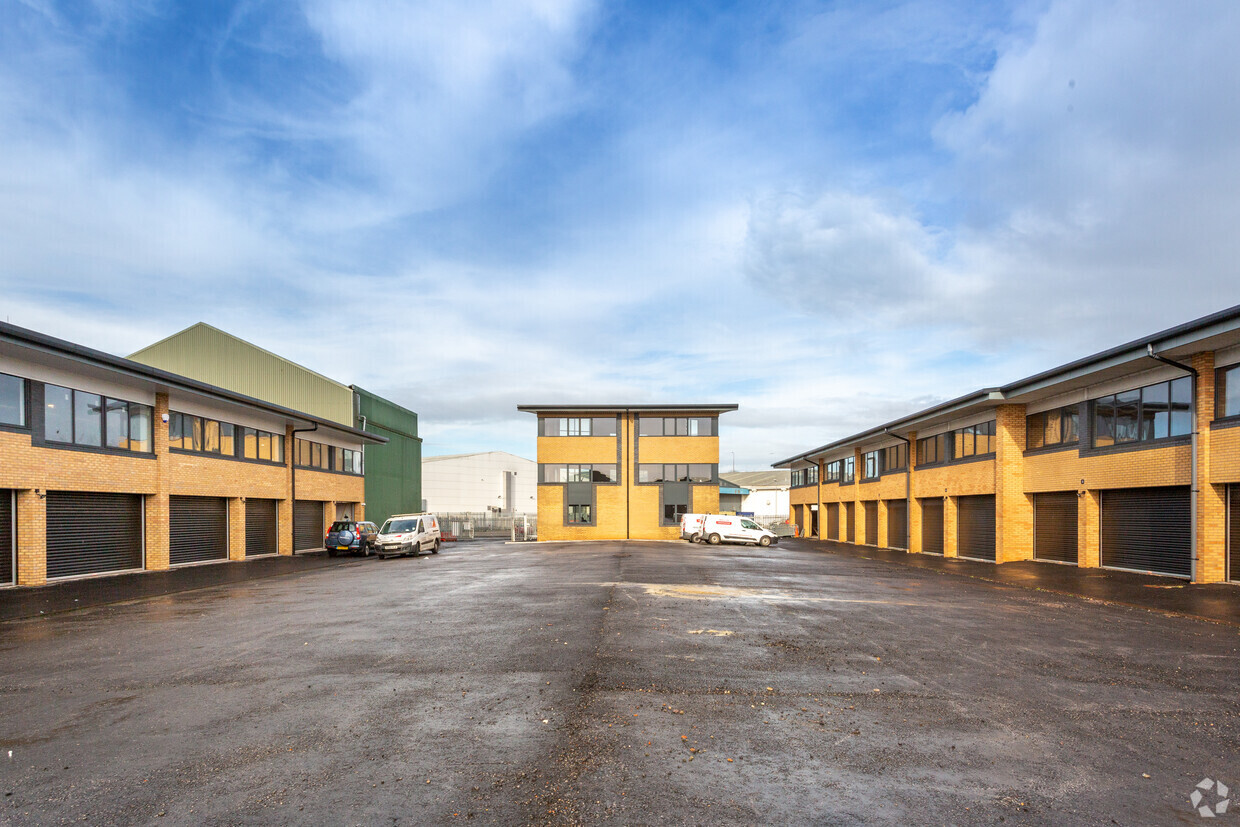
(764, 541)
(714, 539)
(435, 548)
(695, 538)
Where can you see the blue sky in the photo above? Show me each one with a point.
(830, 213)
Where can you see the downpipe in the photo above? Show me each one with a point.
(1195, 495)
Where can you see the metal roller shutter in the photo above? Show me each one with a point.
(977, 527)
(833, 521)
(1054, 526)
(1147, 529)
(93, 533)
(1233, 531)
(260, 528)
(307, 525)
(850, 518)
(197, 529)
(897, 524)
(813, 522)
(932, 525)
(871, 522)
(8, 545)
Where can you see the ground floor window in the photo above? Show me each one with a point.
(579, 504)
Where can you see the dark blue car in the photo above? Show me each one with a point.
(357, 537)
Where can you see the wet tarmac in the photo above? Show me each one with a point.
(615, 683)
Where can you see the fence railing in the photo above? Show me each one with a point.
(478, 525)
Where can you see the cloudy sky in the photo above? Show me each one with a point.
(831, 213)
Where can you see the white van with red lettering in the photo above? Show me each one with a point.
(722, 528)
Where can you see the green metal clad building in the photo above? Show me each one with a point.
(393, 471)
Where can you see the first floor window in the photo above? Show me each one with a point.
(1154, 412)
(847, 470)
(1226, 392)
(58, 414)
(12, 400)
(870, 469)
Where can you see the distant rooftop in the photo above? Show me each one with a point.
(777, 478)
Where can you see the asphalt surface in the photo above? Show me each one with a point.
(615, 683)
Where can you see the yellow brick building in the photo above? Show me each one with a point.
(1127, 459)
(609, 472)
(108, 465)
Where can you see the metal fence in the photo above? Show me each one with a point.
(472, 526)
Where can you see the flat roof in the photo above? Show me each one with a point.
(720, 408)
(161, 379)
(1217, 330)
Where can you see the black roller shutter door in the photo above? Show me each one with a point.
(197, 529)
(1233, 531)
(833, 521)
(932, 525)
(1147, 529)
(260, 528)
(7, 545)
(1054, 526)
(871, 523)
(897, 524)
(850, 516)
(93, 533)
(976, 538)
(307, 525)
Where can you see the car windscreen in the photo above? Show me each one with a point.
(399, 526)
(342, 525)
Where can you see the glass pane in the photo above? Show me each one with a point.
(1155, 411)
(264, 445)
(603, 473)
(1126, 406)
(117, 423)
(58, 414)
(140, 417)
(211, 436)
(277, 448)
(1071, 430)
(964, 442)
(1231, 392)
(1181, 406)
(701, 472)
(1182, 391)
(12, 400)
(682, 426)
(1052, 430)
(603, 426)
(227, 445)
(1104, 421)
(705, 426)
(195, 423)
(249, 441)
(87, 419)
(174, 430)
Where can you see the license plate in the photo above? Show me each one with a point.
(342, 548)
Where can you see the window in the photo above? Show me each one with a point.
(869, 465)
(309, 454)
(228, 442)
(12, 400)
(847, 474)
(262, 445)
(602, 474)
(973, 441)
(90, 420)
(187, 432)
(578, 426)
(692, 472)
(933, 449)
(676, 426)
(811, 475)
(1057, 427)
(350, 461)
(798, 477)
(832, 471)
(580, 507)
(1153, 412)
(895, 458)
(1226, 392)
(675, 504)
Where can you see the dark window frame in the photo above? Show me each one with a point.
(1221, 381)
(848, 470)
(103, 446)
(1104, 413)
(23, 401)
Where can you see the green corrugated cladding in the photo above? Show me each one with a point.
(394, 470)
(210, 355)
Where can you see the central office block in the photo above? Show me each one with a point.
(615, 472)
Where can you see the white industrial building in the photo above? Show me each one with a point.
(768, 491)
(490, 482)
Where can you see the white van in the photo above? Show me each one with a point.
(720, 528)
(691, 527)
(408, 534)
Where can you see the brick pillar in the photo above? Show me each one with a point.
(236, 528)
(914, 504)
(156, 505)
(31, 538)
(951, 510)
(881, 539)
(1013, 507)
(1088, 545)
(284, 509)
(1211, 499)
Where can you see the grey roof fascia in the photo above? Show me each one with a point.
(721, 408)
(60, 348)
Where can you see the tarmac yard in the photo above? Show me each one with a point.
(616, 683)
